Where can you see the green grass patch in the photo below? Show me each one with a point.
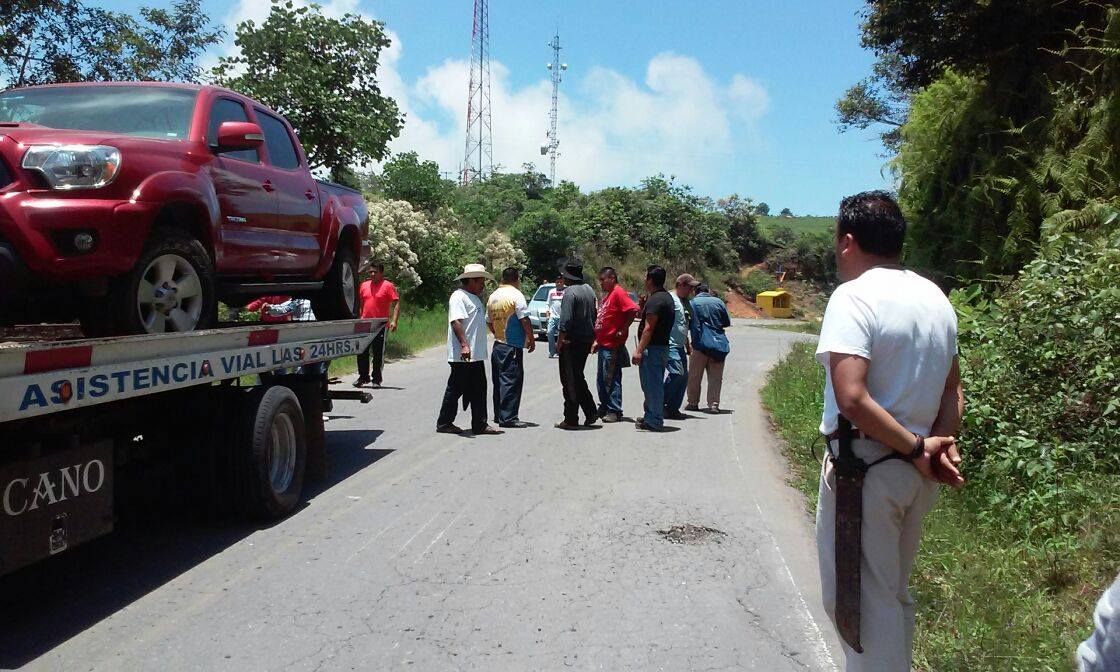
(987, 602)
(798, 224)
(417, 330)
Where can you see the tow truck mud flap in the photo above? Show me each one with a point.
(55, 502)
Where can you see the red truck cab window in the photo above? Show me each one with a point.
(226, 109)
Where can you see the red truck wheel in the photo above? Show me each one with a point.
(338, 300)
(171, 288)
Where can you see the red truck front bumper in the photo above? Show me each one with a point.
(39, 227)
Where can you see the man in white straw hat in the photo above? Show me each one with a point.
(466, 353)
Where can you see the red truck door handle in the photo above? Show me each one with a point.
(309, 194)
(268, 186)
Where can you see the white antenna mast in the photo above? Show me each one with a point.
(556, 68)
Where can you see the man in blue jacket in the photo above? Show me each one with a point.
(709, 348)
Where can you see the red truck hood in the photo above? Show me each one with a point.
(31, 134)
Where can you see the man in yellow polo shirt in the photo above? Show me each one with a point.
(507, 314)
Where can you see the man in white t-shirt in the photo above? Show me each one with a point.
(889, 347)
(466, 353)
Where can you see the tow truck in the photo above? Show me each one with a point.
(238, 409)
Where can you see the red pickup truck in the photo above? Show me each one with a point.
(136, 207)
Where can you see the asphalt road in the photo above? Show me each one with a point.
(536, 550)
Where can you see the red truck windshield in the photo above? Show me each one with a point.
(147, 111)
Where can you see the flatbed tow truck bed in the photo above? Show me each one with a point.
(79, 415)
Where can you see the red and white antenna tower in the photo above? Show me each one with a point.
(478, 157)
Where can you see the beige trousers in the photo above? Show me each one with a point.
(895, 500)
(698, 363)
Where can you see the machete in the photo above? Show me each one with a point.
(850, 471)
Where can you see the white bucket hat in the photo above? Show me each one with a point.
(474, 271)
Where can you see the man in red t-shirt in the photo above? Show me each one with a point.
(379, 299)
(612, 326)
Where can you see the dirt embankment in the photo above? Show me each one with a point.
(739, 306)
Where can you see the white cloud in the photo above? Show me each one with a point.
(613, 129)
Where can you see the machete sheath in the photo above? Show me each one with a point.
(849, 471)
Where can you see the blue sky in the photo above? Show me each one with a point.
(732, 97)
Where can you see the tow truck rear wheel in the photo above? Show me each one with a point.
(273, 458)
(338, 300)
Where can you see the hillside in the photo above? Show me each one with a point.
(808, 224)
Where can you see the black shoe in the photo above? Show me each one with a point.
(675, 415)
(692, 407)
(361, 381)
(591, 420)
(487, 431)
(564, 424)
(449, 428)
(642, 426)
(376, 386)
(514, 425)
(611, 417)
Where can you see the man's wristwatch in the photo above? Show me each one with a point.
(919, 448)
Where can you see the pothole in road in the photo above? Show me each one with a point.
(692, 534)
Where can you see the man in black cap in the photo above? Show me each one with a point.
(577, 334)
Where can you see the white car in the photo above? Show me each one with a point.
(538, 310)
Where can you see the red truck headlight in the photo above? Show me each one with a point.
(74, 166)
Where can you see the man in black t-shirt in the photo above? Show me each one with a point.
(652, 353)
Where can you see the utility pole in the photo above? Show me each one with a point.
(556, 69)
(478, 159)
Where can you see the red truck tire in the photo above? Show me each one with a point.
(338, 300)
(171, 289)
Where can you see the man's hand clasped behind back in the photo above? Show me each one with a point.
(940, 461)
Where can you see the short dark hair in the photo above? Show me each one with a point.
(875, 221)
(702, 288)
(608, 271)
(378, 265)
(509, 275)
(657, 274)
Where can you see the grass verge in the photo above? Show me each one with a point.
(416, 330)
(986, 601)
(813, 327)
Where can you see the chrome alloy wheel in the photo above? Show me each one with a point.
(281, 452)
(169, 296)
(348, 292)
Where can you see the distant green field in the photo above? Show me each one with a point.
(798, 224)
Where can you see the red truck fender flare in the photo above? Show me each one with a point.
(173, 188)
(341, 221)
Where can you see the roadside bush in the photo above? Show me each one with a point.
(754, 282)
(1042, 363)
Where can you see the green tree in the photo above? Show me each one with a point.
(321, 73)
(746, 238)
(786, 212)
(50, 41)
(762, 208)
(406, 178)
(545, 237)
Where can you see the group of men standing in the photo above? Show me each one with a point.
(677, 331)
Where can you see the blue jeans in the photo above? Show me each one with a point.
(677, 381)
(652, 373)
(553, 332)
(610, 394)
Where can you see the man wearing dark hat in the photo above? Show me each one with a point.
(577, 334)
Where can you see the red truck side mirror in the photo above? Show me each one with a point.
(234, 136)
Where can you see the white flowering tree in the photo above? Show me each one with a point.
(416, 248)
(499, 252)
